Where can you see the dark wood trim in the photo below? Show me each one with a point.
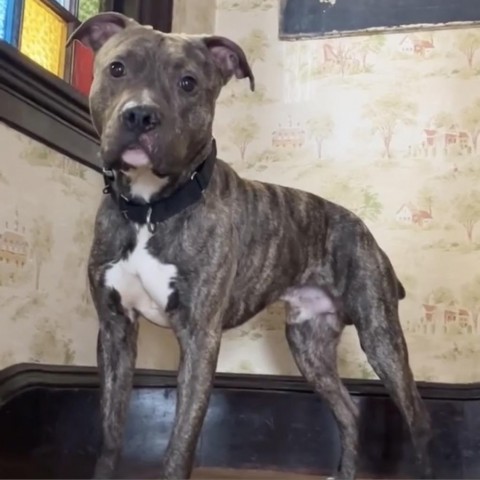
(157, 13)
(45, 107)
(26, 375)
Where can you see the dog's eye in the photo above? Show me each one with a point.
(117, 69)
(188, 84)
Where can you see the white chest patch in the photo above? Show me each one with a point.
(143, 282)
(143, 183)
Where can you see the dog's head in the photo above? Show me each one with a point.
(153, 95)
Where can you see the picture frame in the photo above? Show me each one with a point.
(304, 19)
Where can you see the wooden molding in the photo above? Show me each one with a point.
(14, 377)
(46, 108)
(50, 416)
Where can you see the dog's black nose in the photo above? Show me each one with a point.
(140, 119)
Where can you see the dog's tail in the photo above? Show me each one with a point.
(401, 290)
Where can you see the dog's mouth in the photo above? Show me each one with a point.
(135, 156)
(138, 154)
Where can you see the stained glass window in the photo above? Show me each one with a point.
(67, 4)
(44, 34)
(82, 71)
(9, 20)
(5, 5)
(87, 8)
(39, 29)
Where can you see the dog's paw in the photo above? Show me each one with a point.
(104, 469)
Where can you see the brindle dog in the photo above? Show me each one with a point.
(185, 242)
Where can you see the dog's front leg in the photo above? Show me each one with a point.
(199, 346)
(116, 356)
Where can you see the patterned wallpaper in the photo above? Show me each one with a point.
(387, 125)
(194, 16)
(46, 220)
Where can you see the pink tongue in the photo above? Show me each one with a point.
(135, 158)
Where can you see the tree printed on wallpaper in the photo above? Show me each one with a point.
(255, 46)
(39, 155)
(240, 94)
(368, 45)
(470, 295)
(443, 120)
(470, 119)
(387, 113)
(362, 200)
(243, 132)
(41, 239)
(468, 43)
(440, 295)
(467, 212)
(321, 128)
(371, 207)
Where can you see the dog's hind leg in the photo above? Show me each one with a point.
(373, 308)
(313, 331)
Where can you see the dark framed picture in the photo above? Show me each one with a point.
(330, 18)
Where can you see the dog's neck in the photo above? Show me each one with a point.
(152, 199)
(143, 185)
(140, 184)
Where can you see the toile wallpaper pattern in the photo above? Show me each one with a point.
(46, 225)
(387, 125)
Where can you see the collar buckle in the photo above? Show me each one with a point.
(197, 178)
(151, 226)
(108, 179)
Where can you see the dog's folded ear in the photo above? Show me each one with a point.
(230, 59)
(96, 30)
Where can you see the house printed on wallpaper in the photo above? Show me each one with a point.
(438, 319)
(13, 249)
(13, 245)
(445, 140)
(289, 136)
(410, 215)
(13, 255)
(413, 45)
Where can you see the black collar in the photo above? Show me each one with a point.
(164, 208)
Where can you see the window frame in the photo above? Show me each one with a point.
(47, 108)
